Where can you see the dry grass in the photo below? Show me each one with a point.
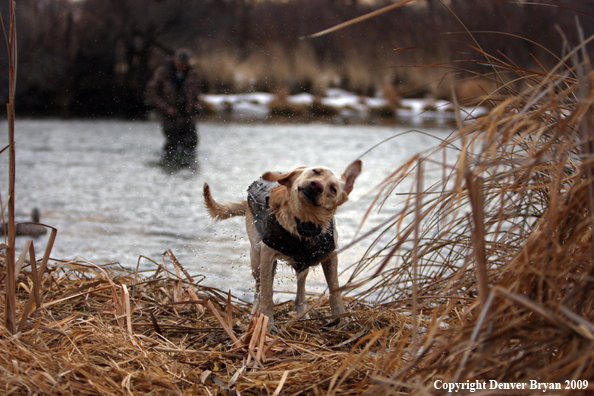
(106, 330)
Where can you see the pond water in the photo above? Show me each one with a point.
(100, 184)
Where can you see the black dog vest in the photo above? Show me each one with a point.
(308, 249)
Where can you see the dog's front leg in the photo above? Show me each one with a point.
(330, 266)
(300, 302)
(267, 268)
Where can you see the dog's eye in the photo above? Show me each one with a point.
(333, 189)
(316, 171)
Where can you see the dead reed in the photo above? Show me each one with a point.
(9, 318)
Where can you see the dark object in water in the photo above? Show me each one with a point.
(33, 229)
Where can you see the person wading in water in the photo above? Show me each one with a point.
(173, 92)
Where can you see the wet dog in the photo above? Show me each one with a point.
(290, 217)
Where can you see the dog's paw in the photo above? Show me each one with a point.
(337, 323)
(343, 322)
(272, 329)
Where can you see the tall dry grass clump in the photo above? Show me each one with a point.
(499, 255)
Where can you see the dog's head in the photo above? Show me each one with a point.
(314, 193)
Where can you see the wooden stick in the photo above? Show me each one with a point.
(359, 19)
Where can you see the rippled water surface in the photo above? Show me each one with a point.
(100, 184)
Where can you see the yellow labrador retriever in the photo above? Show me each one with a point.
(290, 216)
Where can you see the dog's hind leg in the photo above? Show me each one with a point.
(268, 258)
(300, 302)
(255, 261)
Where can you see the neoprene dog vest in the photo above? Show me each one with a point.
(306, 251)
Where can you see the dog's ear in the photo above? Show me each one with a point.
(350, 174)
(285, 179)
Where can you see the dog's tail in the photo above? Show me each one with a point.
(222, 211)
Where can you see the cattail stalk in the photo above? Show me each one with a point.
(9, 319)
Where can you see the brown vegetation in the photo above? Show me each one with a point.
(107, 331)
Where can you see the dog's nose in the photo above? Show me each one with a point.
(312, 190)
(315, 187)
